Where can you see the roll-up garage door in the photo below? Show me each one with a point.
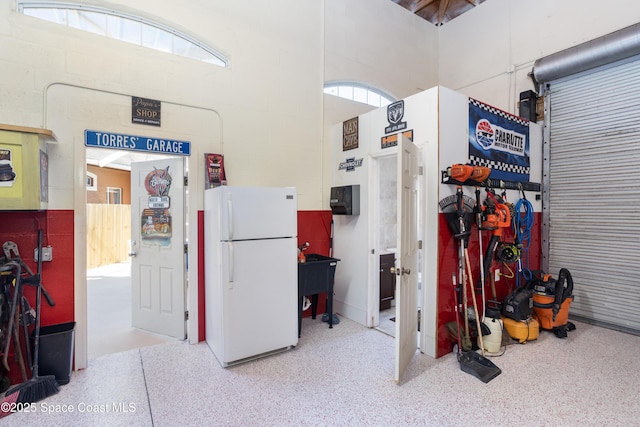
(594, 190)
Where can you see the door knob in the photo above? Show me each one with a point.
(132, 254)
(400, 271)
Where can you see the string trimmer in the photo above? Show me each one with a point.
(458, 210)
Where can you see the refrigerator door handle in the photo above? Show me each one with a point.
(230, 215)
(231, 263)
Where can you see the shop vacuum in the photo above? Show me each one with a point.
(517, 315)
(551, 301)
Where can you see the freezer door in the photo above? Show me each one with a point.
(257, 212)
(260, 297)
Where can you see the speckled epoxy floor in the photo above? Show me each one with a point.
(344, 377)
(109, 313)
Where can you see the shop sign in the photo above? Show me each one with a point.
(350, 164)
(214, 170)
(350, 134)
(155, 221)
(156, 226)
(145, 111)
(395, 114)
(392, 140)
(147, 144)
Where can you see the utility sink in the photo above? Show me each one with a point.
(316, 276)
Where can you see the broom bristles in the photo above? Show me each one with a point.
(34, 390)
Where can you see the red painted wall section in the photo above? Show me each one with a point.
(57, 276)
(201, 330)
(448, 265)
(313, 227)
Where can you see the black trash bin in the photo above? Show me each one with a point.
(56, 351)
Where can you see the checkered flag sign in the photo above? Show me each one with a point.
(500, 141)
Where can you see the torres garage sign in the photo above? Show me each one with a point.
(148, 144)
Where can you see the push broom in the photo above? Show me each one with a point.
(37, 388)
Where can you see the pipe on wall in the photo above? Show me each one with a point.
(609, 48)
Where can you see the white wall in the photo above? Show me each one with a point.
(269, 101)
(379, 43)
(264, 113)
(487, 53)
(356, 242)
(439, 118)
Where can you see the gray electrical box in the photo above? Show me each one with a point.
(345, 200)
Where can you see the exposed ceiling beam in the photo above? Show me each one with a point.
(443, 10)
(438, 11)
(417, 7)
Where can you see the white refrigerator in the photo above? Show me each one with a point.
(251, 271)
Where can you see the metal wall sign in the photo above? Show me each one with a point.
(392, 140)
(395, 114)
(118, 141)
(155, 222)
(145, 111)
(350, 134)
(350, 164)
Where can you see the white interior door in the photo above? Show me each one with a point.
(407, 257)
(157, 246)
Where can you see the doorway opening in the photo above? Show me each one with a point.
(109, 282)
(386, 219)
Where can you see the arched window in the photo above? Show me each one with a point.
(124, 27)
(359, 93)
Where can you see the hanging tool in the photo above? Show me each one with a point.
(497, 217)
(478, 211)
(458, 209)
(523, 221)
(475, 304)
(16, 343)
(38, 387)
(11, 253)
(17, 269)
(470, 361)
(480, 174)
(460, 172)
(463, 241)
